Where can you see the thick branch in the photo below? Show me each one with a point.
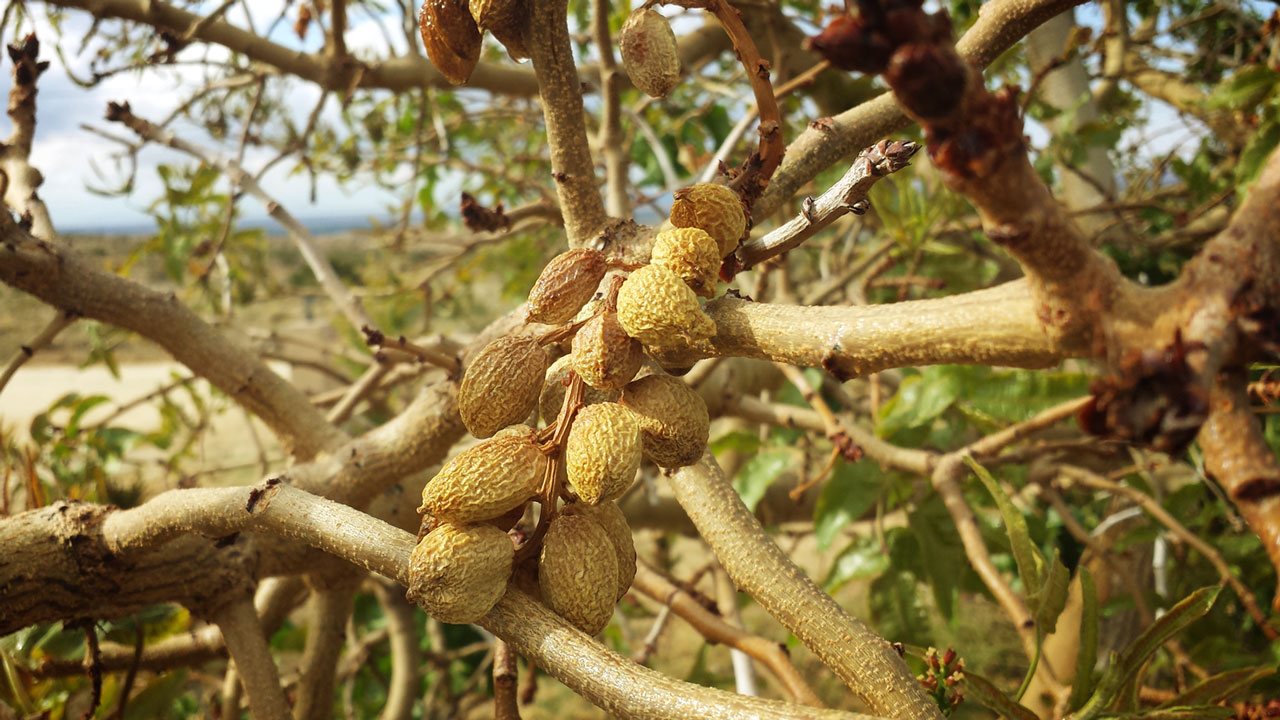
(21, 180)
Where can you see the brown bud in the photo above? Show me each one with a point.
(692, 254)
(602, 453)
(488, 480)
(674, 424)
(502, 384)
(451, 38)
(604, 355)
(508, 20)
(458, 573)
(565, 285)
(713, 208)
(649, 53)
(610, 517)
(657, 308)
(554, 389)
(578, 572)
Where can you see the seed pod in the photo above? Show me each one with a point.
(578, 572)
(602, 453)
(674, 424)
(565, 285)
(604, 355)
(554, 389)
(488, 480)
(692, 254)
(459, 572)
(507, 20)
(649, 53)
(501, 385)
(610, 517)
(451, 37)
(657, 308)
(713, 208)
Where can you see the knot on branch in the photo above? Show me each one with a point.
(1153, 399)
(26, 68)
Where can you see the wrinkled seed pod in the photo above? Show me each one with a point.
(674, 424)
(502, 384)
(507, 20)
(713, 208)
(610, 517)
(692, 254)
(488, 480)
(578, 572)
(451, 37)
(565, 285)
(604, 355)
(554, 389)
(657, 308)
(458, 573)
(602, 453)
(649, 53)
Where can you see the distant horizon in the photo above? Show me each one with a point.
(318, 224)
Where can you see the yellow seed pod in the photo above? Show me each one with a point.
(554, 389)
(649, 53)
(711, 207)
(604, 355)
(692, 254)
(459, 572)
(578, 572)
(602, 453)
(507, 20)
(674, 424)
(610, 517)
(502, 384)
(657, 308)
(488, 480)
(565, 285)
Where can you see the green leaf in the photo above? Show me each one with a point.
(897, 608)
(758, 473)
(941, 552)
(850, 491)
(82, 407)
(1219, 688)
(1256, 152)
(1193, 712)
(982, 691)
(1247, 87)
(1025, 553)
(156, 698)
(1051, 598)
(920, 399)
(736, 441)
(1087, 654)
(862, 558)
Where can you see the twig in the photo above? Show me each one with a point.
(650, 644)
(832, 426)
(329, 610)
(505, 679)
(450, 363)
(402, 630)
(610, 140)
(252, 655)
(744, 673)
(130, 677)
(60, 322)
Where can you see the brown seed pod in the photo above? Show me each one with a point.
(502, 384)
(674, 424)
(459, 572)
(713, 208)
(565, 285)
(451, 37)
(578, 572)
(488, 480)
(649, 53)
(604, 355)
(554, 389)
(602, 453)
(507, 20)
(692, 254)
(657, 308)
(610, 517)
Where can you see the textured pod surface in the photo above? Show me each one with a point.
(674, 424)
(458, 572)
(602, 453)
(649, 53)
(713, 208)
(692, 254)
(565, 285)
(554, 389)
(451, 37)
(488, 480)
(578, 572)
(610, 517)
(502, 384)
(507, 20)
(657, 308)
(604, 355)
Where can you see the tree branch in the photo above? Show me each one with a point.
(617, 202)
(252, 655)
(20, 180)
